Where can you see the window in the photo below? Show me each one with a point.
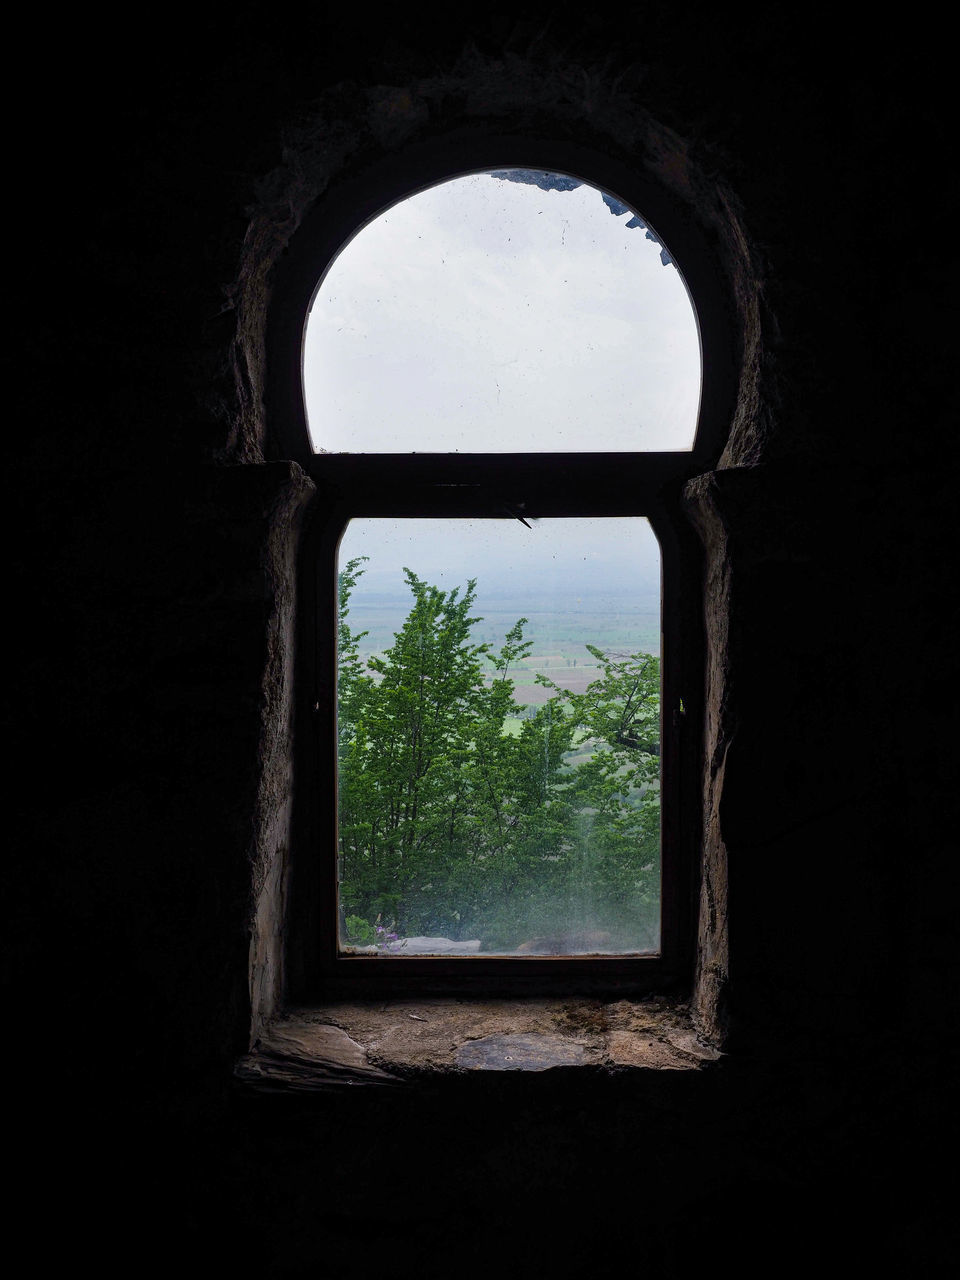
(502, 312)
(465, 430)
(499, 737)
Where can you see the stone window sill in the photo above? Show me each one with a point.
(400, 1041)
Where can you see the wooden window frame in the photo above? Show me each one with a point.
(480, 486)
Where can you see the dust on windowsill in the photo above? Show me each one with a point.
(399, 1040)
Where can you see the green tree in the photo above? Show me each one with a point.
(407, 773)
(616, 792)
(352, 683)
(451, 825)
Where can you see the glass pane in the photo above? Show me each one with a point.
(499, 737)
(503, 312)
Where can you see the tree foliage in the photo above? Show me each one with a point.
(450, 825)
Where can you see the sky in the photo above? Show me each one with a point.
(486, 315)
(491, 315)
(561, 559)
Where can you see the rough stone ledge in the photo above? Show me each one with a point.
(397, 1041)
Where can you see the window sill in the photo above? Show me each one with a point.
(401, 1041)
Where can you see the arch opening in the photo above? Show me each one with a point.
(503, 311)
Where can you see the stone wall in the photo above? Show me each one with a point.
(155, 530)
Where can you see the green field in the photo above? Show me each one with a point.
(560, 638)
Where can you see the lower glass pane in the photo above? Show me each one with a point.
(499, 737)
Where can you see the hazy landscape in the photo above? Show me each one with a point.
(560, 634)
(480, 809)
(506, 816)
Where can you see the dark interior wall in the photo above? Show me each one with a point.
(149, 494)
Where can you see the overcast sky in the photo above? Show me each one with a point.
(492, 315)
(486, 315)
(558, 558)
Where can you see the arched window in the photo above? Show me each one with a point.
(502, 390)
(513, 311)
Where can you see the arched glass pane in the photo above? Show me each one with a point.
(509, 311)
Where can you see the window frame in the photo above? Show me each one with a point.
(480, 486)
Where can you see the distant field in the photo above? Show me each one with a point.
(560, 639)
(560, 642)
